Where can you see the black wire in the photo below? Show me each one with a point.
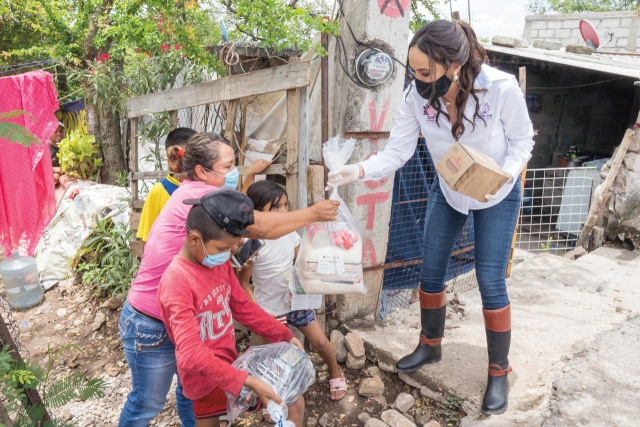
(361, 43)
(340, 46)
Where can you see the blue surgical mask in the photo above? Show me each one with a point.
(211, 261)
(231, 178)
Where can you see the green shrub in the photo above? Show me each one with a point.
(104, 260)
(16, 377)
(79, 155)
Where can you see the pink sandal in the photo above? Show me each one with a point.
(338, 384)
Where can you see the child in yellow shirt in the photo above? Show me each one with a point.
(159, 194)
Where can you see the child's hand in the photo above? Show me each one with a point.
(295, 341)
(258, 167)
(282, 319)
(263, 390)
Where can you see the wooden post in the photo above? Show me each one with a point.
(293, 134)
(293, 141)
(598, 200)
(173, 115)
(315, 183)
(33, 397)
(522, 78)
(133, 167)
(303, 147)
(230, 123)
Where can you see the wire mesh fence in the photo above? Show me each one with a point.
(404, 250)
(555, 204)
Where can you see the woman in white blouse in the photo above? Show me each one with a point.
(456, 96)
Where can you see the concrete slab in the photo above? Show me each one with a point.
(600, 385)
(554, 317)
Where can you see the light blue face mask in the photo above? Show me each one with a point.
(231, 178)
(211, 261)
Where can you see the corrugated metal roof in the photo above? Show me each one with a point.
(626, 65)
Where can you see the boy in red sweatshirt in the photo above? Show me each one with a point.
(199, 296)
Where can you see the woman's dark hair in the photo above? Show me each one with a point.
(447, 43)
(264, 192)
(199, 220)
(202, 149)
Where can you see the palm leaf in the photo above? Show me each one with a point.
(18, 134)
(16, 113)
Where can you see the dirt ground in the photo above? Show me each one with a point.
(83, 330)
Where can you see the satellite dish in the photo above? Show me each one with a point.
(589, 34)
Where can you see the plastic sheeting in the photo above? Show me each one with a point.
(27, 200)
(72, 224)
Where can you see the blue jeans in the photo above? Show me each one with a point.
(493, 229)
(151, 357)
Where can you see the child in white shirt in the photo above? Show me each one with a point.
(271, 269)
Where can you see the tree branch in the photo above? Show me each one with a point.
(91, 51)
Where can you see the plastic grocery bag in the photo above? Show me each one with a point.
(278, 414)
(330, 256)
(286, 368)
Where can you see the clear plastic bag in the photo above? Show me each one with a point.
(286, 368)
(330, 256)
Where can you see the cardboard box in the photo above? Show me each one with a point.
(470, 172)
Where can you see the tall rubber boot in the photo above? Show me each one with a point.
(497, 324)
(433, 311)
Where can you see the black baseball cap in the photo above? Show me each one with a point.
(230, 209)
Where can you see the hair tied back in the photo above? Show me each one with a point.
(181, 153)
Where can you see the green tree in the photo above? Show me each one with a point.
(573, 6)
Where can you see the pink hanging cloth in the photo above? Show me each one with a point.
(27, 188)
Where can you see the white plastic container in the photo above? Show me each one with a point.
(21, 281)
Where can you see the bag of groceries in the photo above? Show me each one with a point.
(283, 366)
(330, 256)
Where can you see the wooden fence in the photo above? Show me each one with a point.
(294, 78)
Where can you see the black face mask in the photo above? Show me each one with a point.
(425, 89)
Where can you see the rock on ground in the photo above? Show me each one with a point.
(387, 367)
(354, 344)
(371, 387)
(364, 417)
(312, 422)
(337, 341)
(428, 393)
(323, 419)
(404, 402)
(395, 419)
(355, 362)
(374, 422)
(408, 380)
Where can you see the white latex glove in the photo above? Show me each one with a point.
(491, 197)
(343, 175)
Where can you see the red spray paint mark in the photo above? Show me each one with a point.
(393, 8)
(371, 200)
(369, 252)
(375, 122)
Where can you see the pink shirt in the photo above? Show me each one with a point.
(165, 240)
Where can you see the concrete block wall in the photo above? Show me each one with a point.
(564, 28)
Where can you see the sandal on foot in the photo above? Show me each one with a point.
(338, 384)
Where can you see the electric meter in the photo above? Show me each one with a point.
(374, 67)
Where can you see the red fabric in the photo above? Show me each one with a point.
(198, 305)
(27, 188)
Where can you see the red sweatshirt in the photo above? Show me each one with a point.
(198, 305)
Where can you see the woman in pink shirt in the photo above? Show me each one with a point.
(209, 161)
